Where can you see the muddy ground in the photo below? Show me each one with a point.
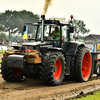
(33, 89)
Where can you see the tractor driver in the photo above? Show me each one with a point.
(55, 34)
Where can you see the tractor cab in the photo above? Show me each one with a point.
(43, 31)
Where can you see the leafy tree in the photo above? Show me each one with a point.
(80, 27)
(3, 37)
(16, 38)
(2, 28)
(14, 20)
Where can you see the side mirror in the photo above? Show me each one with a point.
(71, 29)
(24, 28)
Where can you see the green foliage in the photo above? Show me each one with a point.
(80, 27)
(3, 37)
(2, 28)
(0, 61)
(16, 19)
(16, 38)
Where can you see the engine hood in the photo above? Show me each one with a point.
(34, 43)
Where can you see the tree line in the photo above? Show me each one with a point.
(14, 21)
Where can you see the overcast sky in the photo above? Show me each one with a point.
(86, 10)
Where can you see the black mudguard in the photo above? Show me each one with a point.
(16, 61)
(70, 48)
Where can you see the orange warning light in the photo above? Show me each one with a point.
(42, 15)
(71, 16)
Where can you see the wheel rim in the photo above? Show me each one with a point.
(86, 65)
(57, 69)
(17, 72)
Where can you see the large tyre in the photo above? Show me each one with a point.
(83, 64)
(97, 68)
(52, 68)
(9, 74)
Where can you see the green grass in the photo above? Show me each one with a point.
(2, 51)
(95, 96)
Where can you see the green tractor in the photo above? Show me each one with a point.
(47, 57)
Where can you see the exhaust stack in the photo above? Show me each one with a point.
(42, 17)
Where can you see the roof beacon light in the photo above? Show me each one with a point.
(71, 16)
(42, 16)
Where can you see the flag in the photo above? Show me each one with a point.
(25, 36)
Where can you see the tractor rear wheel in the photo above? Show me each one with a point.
(83, 64)
(9, 74)
(53, 68)
(97, 69)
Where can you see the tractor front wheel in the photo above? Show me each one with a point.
(53, 68)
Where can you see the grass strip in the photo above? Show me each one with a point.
(95, 96)
(2, 51)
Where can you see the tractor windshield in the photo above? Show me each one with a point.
(46, 32)
(50, 32)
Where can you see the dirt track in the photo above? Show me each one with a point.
(32, 89)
